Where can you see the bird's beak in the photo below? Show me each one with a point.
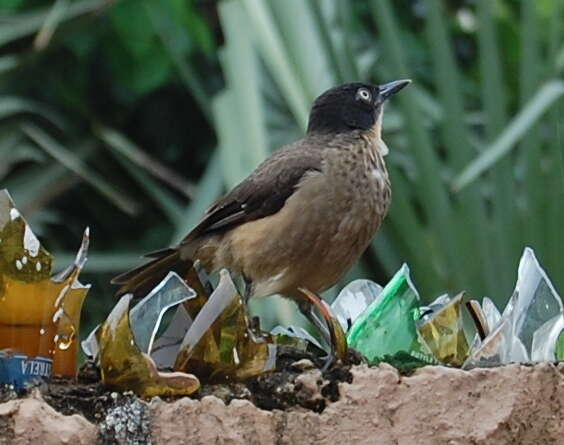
(389, 89)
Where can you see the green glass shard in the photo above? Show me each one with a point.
(387, 327)
(560, 347)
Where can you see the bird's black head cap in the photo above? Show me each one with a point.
(352, 106)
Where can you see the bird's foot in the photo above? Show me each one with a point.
(329, 328)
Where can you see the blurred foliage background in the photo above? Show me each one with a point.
(132, 116)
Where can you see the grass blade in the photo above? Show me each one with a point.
(11, 106)
(209, 189)
(76, 165)
(243, 140)
(456, 140)
(128, 149)
(494, 99)
(430, 187)
(275, 56)
(304, 45)
(175, 41)
(546, 96)
(23, 25)
(530, 146)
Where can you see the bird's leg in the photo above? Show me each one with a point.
(330, 330)
(248, 290)
(306, 308)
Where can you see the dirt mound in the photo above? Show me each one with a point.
(436, 405)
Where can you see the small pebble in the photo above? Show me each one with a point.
(302, 365)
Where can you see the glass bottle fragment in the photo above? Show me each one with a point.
(125, 368)
(39, 314)
(219, 345)
(534, 303)
(443, 332)
(353, 300)
(386, 330)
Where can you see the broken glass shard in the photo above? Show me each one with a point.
(560, 347)
(220, 345)
(294, 336)
(39, 314)
(491, 313)
(146, 316)
(480, 322)
(125, 368)
(534, 302)
(441, 328)
(72, 298)
(353, 300)
(90, 345)
(165, 348)
(545, 340)
(387, 327)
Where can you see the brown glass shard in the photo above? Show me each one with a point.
(443, 332)
(39, 314)
(124, 367)
(68, 316)
(220, 345)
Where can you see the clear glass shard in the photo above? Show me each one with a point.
(493, 349)
(298, 333)
(146, 316)
(90, 345)
(353, 300)
(387, 327)
(165, 348)
(545, 340)
(491, 313)
(534, 303)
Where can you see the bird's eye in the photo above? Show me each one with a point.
(364, 95)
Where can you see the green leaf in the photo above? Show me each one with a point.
(11, 106)
(77, 166)
(545, 97)
(243, 140)
(275, 56)
(22, 25)
(209, 189)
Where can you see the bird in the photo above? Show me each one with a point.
(304, 216)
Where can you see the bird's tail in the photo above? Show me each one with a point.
(141, 280)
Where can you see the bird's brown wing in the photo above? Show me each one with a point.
(263, 193)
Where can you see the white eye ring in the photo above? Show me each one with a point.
(364, 95)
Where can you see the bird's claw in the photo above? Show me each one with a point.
(331, 329)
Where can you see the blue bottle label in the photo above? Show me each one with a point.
(18, 369)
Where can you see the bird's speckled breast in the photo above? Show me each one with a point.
(361, 180)
(324, 226)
